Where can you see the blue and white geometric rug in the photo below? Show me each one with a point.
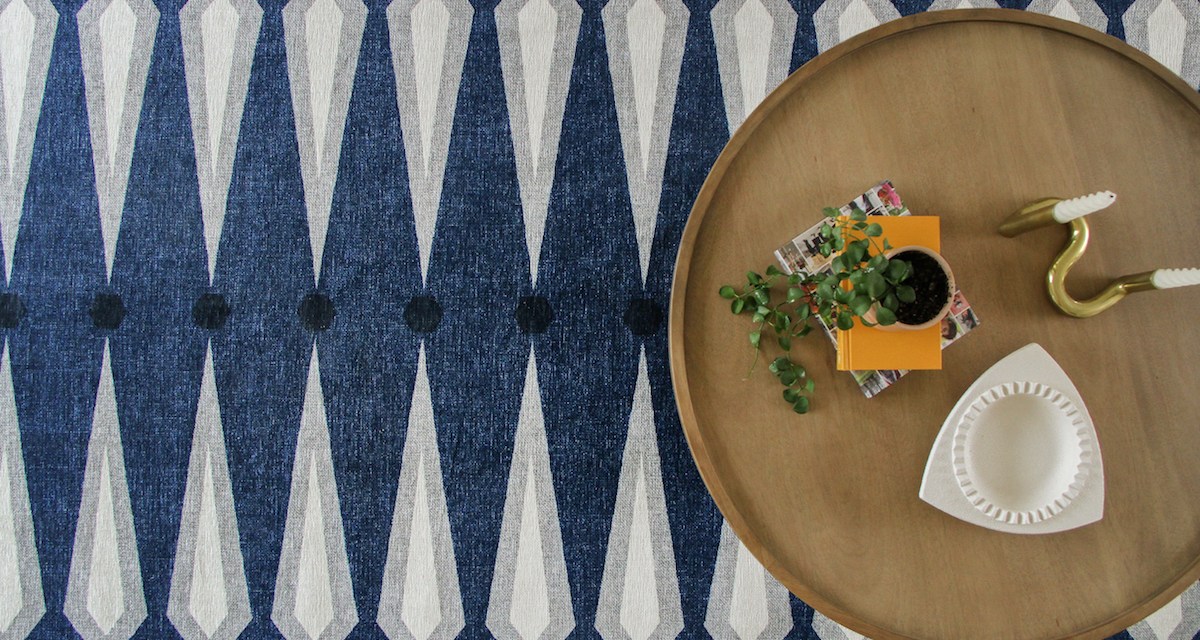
(324, 319)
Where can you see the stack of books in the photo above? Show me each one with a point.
(876, 358)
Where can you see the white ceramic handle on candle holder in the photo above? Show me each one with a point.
(1171, 278)
(1067, 210)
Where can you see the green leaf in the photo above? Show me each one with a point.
(755, 337)
(878, 261)
(781, 363)
(843, 296)
(790, 395)
(885, 316)
(876, 285)
(824, 292)
(860, 305)
(808, 385)
(738, 305)
(825, 250)
(758, 317)
(753, 278)
(906, 293)
(887, 246)
(891, 301)
(763, 296)
(794, 294)
(785, 343)
(830, 212)
(854, 253)
(727, 292)
(788, 377)
(794, 279)
(826, 231)
(839, 243)
(772, 270)
(838, 263)
(858, 215)
(803, 312)
(800, 405)
(845, 321)
(897, 270)
(859, 226)
(803, 332)
(874, 230)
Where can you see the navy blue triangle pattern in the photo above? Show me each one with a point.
(444, 408)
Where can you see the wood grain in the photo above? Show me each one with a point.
(972, 114)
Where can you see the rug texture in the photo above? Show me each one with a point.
(328, 319)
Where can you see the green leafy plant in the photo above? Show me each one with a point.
(859, 279)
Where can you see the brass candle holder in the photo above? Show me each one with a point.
(1051, 211)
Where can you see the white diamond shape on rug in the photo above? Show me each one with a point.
(1085, 12)
(116, 40)
(429, 46)
(314, 597)
(745, 602)
(839, 20)
(1168, 30)
(323, 38)
(530, 597)
(639, 591)
(537, 52)
(829, 630)
(754, 49)
(104, 588)
(209, 598)
(22, 603)
(645, 41)
(1179, 618)
(219, 39)
(28, 27)
(419, 598)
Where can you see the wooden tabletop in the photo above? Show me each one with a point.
(971, 114)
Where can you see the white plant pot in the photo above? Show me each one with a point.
(937, 319)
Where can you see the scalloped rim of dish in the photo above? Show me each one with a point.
(1083, 466)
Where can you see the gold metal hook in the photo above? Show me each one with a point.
(1041, 214)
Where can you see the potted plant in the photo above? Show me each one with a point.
(868, 282)
(932, 283)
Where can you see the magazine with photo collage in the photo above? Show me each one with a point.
(803, 254)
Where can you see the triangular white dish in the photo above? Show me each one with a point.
(1018, 453)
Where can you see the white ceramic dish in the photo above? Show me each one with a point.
(1022, 453)
(1018, 453)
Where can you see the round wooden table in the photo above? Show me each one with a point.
(971, 114)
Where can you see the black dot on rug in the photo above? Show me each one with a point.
(107, 311)
(423, 314)
(643, 316)
(316, 311)
(534, 314)
(11, 310)
(210, 311)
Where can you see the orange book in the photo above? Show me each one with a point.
(865, 348)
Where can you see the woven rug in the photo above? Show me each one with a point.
(325, 319)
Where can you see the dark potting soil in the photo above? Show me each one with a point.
(931, 285)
